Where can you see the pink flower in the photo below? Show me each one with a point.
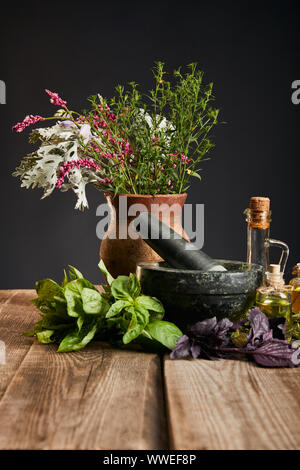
(27, 121)
(55, 99)
(71, 164)
(169, 182)
(174, 165)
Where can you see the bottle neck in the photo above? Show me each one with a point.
(258, 246)
(258, 236)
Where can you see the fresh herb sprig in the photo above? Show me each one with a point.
(75, 312)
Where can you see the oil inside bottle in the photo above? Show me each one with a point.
(275, 299)
(295, 283)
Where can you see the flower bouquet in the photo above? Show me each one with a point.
(130, 144)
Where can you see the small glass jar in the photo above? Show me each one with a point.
(275, 299)
(295, 283)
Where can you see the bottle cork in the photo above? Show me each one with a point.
(259, 215)
(274, 276)
(259, 203)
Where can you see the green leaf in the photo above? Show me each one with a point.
(78, 340)
(120, 288)
(151, 303)
(195, 174)
(80, 321)
(73, 292)
(134, 286)
(105, 272)
(93, 302)
(117, 307)
(139, 320)
(126, 287)
(50, 297)
(164, 332)
(48, 289)
(74, 273)
(45, 336)
(65, 280)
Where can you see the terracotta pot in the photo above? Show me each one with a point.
(121, 253)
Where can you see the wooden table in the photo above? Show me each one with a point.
(104, 398)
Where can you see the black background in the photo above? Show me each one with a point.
(249, 50)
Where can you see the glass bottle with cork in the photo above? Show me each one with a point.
(258, 217)
(275, 298)
(295, 283)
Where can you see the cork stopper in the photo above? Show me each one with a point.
(274, 268)
(274, 277)
(258, 214)
(259, 203)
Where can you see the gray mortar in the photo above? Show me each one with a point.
(191, 295)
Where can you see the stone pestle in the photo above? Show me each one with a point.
(174, 249)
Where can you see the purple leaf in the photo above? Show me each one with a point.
(204, 328)
(195, 349)
(259, 325)
(276, 353)
(222, 329)
(182, 348)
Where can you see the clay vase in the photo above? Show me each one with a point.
(121, 253)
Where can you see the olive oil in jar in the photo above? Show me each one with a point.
(295, 283)
(274, 302)
(275, 299)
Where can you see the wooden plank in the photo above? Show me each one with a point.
(229, 404)
(97, 398)
(17, 315)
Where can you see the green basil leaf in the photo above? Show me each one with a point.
(134, 286)
(164, 332)
(151, 303)
(47, 289)
(65, 280)
(78, 340)
(74, 273)
(73, 292)
(134, 330)
(138, 322)
(102, 267)
(80, 321)
(50, 297)
(120, 288)
(93, 302)
(117, 308)
(45, 336)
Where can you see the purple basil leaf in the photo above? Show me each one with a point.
(259, 325)
(182, 348)
(276, 353)
(195, 349)
(267, 336)
(222, 330)
(204, 328)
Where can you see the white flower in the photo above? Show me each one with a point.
(85, 132)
